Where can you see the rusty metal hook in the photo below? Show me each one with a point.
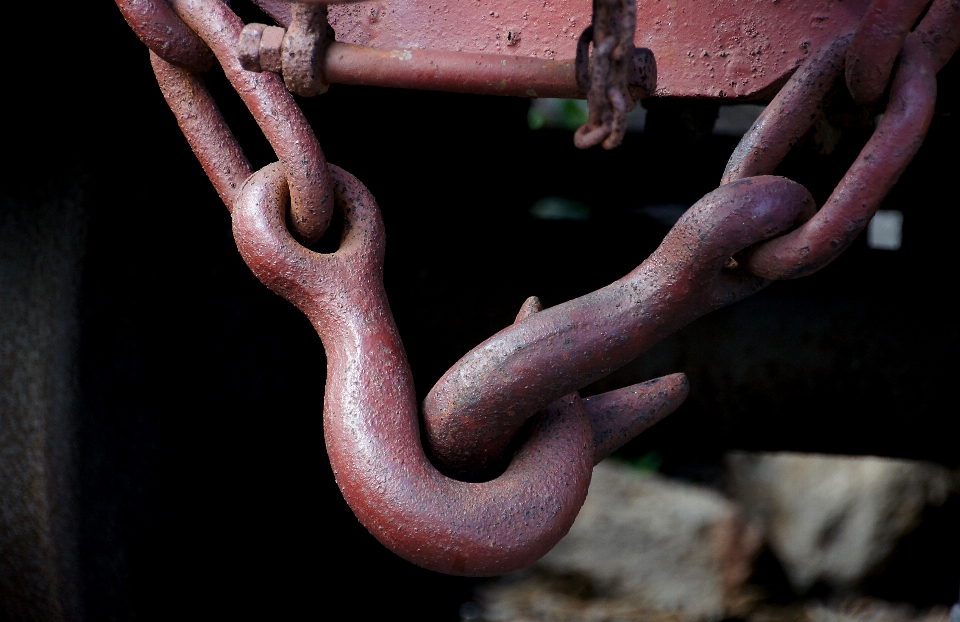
(370, 417)
(471, 414)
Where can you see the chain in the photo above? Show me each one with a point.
(479, 404)
(605, 77)
(733, 242)
(271, 104)
(875, 46)
(859, 194)
(166, 35)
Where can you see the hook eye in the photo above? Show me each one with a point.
(287, 267)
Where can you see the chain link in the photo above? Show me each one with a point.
(155, 23)
(859, 194)
(875, 46)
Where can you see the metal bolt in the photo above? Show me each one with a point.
(295, 53)
(260, 46)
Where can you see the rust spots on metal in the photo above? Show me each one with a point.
(304, 44)
(296, 53)
(155, 23)
(619, 416)
(877, 169)
(790, 115)
(248, 46)
(456, 72)
(940, 31)
(206, 131)
(263, 52)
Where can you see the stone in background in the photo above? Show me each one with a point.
(646, 548)
(849, 610)
(835, 520)
(643, 548)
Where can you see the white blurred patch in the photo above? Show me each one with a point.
(885, 231)
(558, 208)
(736, 120)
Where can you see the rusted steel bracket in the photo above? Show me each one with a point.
(513, 48)
(731, 50)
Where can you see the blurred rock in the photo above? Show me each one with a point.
(834, 520)
(643, 548)
(850, 610)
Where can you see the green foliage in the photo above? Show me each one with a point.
(574, 113)
(536, 119)
(568, 114)
(648, 462)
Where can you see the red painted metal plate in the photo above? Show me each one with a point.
(731, 49)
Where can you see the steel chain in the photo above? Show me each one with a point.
(571, 345)
(752, 229)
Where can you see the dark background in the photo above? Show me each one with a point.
(205, 487)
